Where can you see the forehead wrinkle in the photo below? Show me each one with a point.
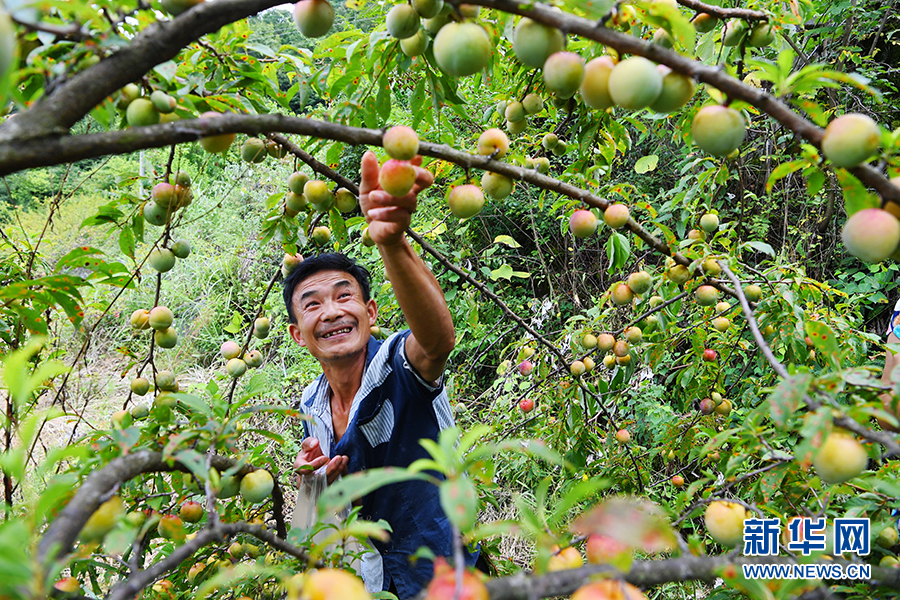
(314, 291)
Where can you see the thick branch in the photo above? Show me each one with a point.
(725, 13)
(154, 45)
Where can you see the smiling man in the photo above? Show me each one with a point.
(375, 400)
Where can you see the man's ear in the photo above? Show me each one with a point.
(296, 335)
(372, 309)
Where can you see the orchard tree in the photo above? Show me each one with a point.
(636, 221)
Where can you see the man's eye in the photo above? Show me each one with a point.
(344, 295)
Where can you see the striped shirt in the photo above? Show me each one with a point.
(393, 409)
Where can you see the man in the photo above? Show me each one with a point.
(376, 400)
(890, 361)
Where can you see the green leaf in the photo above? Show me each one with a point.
(782, 171)
(589, 9)
(856, 196)
(645, 164)
(503, 272)
(824, 341)
(507, 240)
(760, 247)
(459, 499)
(348, 489)
(126, 242)
(786, 398)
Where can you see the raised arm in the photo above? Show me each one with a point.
(418, 293)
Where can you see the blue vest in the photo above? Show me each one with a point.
(392, 411)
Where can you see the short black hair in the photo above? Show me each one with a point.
(331, 261)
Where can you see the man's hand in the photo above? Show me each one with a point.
(311, 459)
(388, 216)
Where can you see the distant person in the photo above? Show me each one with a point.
(890, 401)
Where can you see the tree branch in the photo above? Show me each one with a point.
(725, 13)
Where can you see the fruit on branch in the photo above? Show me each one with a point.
(236, 367)
(497, 186)
(635, 83)
(514, 112)
(165, 381)
(561, 148)
(140, 319)
(565, 559)
(851, 140)
(711, 267)
(706, 295)
(516, 127)
(753, 292)
(639, 282)
(295, 203)
(397, 177)
(166, 338)
(313, 17)
(321, 235)
(761, 35)
(616, 216)
(608, 589)
(176, 7)
(183, 197)
(542, 164)
(605, 342)
(256, 486)
(725, 522)
(181, 249)
(254, 359)
(230, 350)
(888, 537)
(533, 104)
(583, 223)
(709, 355)
(468, 11)
(160, 317)
(696, 235)
(493, 141)
(318, 194)
(588, 364)
(402, 21)
(602, 549)
(66, 587)
(367, 240)
(155, 214)
(121, 419)
(623, 436)
(678, 274)
(677, 90)
(261, 327)
(103, 520)
(253, 150)
(533, 43)
(165, 400)
(127, 95)
(216, 143)
(435, 24)
(191, 512)
(289, 263)
(594, 87)
(171, 527)
(663, 38)
(550, 141)
(140, 386)
(141, 112)
(162, 102)
(609, 361)
(563, 73)
(709, 223)
(589, 341)
(633, 334)
(623, 360)
(526, 405)
(297, 181)
(428, 9)
(163, 194)
(621, 294)
(840, 458)
(677, 480)
(724, 408)
(401, 142)
(526, 367)
(275, 150)
(465, 201)
(462, 48)
(704, 22)
(734, 32)
(707, 406)
(161, 259)
(871, 234)
(620, 348)
(721, 324)
(722, 306)
(443, 586)
(718, 130)
(577, 368)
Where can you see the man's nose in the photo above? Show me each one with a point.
(331, 310)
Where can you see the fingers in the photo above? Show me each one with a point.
(309, 443)
(307, 467)
(390, 214)
(368, 173)
(424, 177)
(380, 198)
(336, 467)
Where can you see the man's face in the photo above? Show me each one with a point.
(333, 321)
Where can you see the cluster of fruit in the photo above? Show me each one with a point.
(231, 351)
(140, 111)
(166, 199)
(255, 150)
(160, 319)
